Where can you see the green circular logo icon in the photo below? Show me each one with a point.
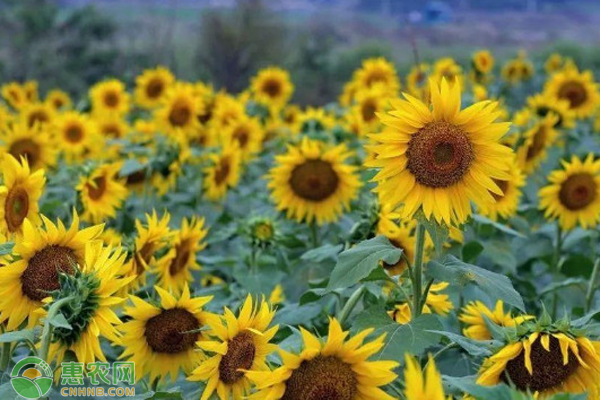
(31, 377)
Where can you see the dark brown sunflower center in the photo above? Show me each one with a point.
(180, 115)
(41, 274)
(439, 154)
(578, 191)
(376, 77)
(155, 88)
(322, 378)
(143, 257)
(136, 178)
(182, 255)
(25, 148)
(548, 368)
(314, 180)
(240, 355)
(272, 87)
(169, 331)
(57, 102)
(542, 111)
(111, 130)
(242, 135)
(503, 185)
(37, 116)
(74, 133)
(538, 143)
(111, 99)
(97, 190)
(16, 208)
(222, 171)
(573, 91)
(368, 110)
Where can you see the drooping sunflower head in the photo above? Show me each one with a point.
(542, 105)
(312, 182)
(578, 88)
(175, 270)
(507, 203)
(377, 71)
(422, 384)
(438, 160)
(483, 61)
(338, 368)
(75, 133)
(573, 193)
(37, 113)
(33, 144)
(240, 345)
(179, 109)
(58, 100)
(90, 296)
(110, 96)
(272, 86)
(160, 339)
(474, 316)
(537, 140)
(102, 193)
(151, 86)
(545, 360)
(45, 252)
(223, 173)
(19, 194)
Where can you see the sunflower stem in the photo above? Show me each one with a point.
(589, 297)
(556, 267)
(349, 306)
(314, 234)
(48, 328)
(417, 280)
(6, 352)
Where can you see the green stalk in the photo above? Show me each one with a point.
(556, 266)
(349, 306)
(48, 328)
(314, 234)
(592, 286)
(417, 280)
(6, 353)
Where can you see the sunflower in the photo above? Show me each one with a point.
(369, 102)
(151, 86)
(178, 112)
(401, 238)
(31, 91)
(336, 369)
(226, 109)
(19, 194)
(110, 125)
(247, 133)
(537, 140)
(348, 93)
(387, 218)
(151, 238)
(75, 133)
(436, 302)
(37, 113)
(354, 122)
(546, 361)
(177, 264)
(578, 88)
(573, 195)
(110, 96)
(223, 173)
(517, 69)
(483, 61)
(419, 384)
(15, 95)
(440, 160)
(506, 204)
(416, 82)
(33, 144)
(290, 114)
(277, 295)
(314, 120)
(43, 252)
(58, 100)
(473, 314)
(272, 86)
(240, 345)
(90, 313)
(160, 339)
(553, 63)
(102, 193)
(312, 181)
(447, 68)
(377, 71)
(543, 105)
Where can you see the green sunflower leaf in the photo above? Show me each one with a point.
(414, 337)
(460, 273)
(358, 262)
(6, 248)
(476, 348)
(18, 336)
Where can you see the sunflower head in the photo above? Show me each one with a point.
(75, 133)
(224, 171)
(507, 203)
(179, 110)
(272, 86)
(483, 61)
(152, 85)
(577, 88)
(110, 96)
(422, 384)
(58, 100)
(573, 193)
(377, 71)
(37, 113)
(31, 143)
(441, 158)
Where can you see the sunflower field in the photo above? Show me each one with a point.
(426, 237)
